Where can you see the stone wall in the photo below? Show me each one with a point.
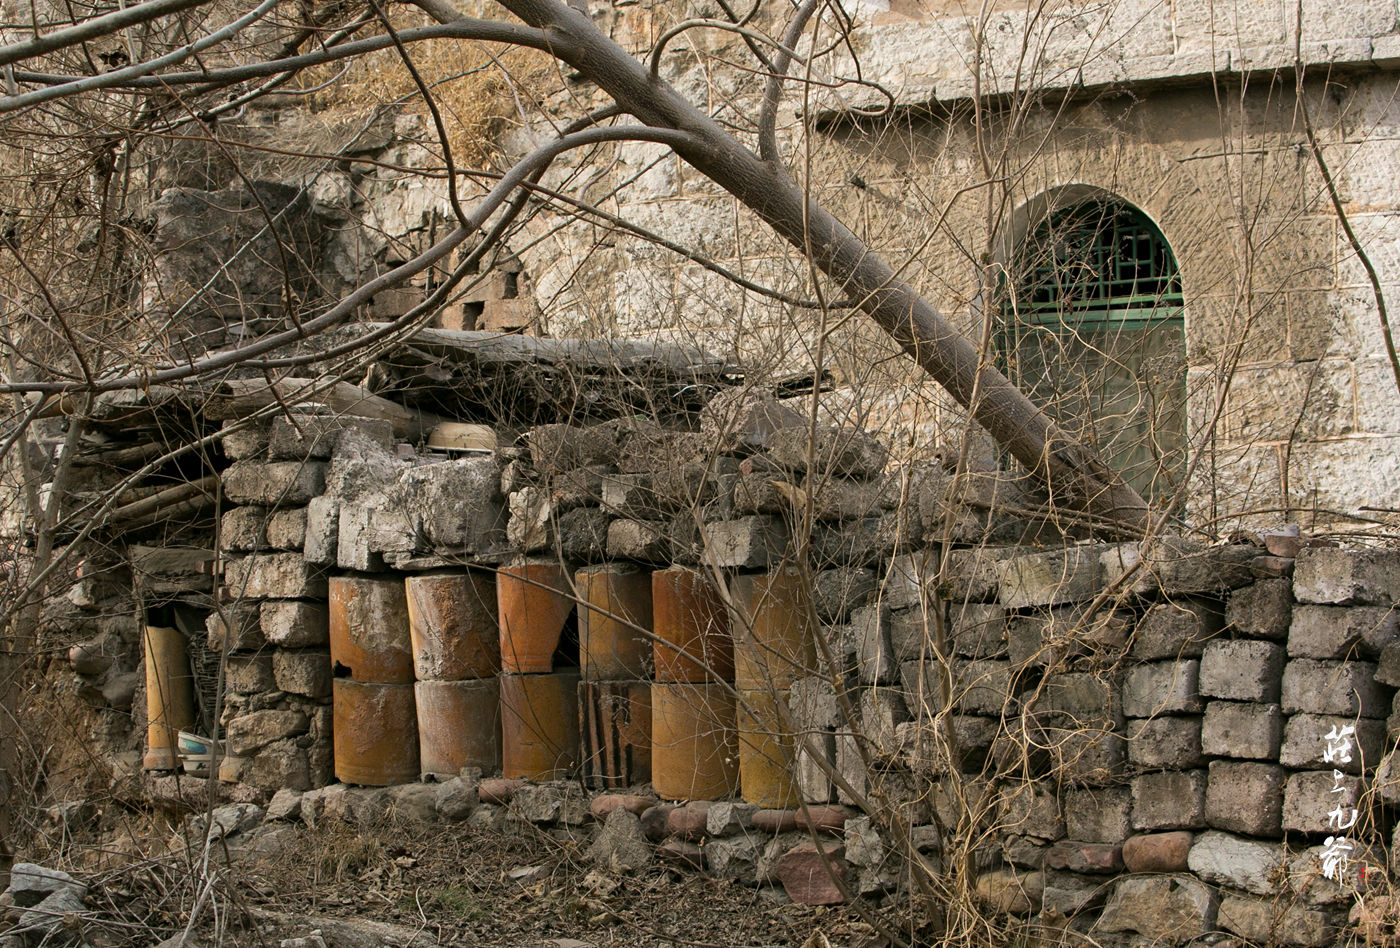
(1116, 737)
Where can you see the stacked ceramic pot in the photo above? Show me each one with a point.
(694, 743)
(376, 727)
(539, 689)
(773, 647)
(615, 657)
(452, 619)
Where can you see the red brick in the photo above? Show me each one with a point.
(806, 874)
(775, 821)
(826, 819)
(688, 822)
(1157, 852)
(498, 790)
(604, 804)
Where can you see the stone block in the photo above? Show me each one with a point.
(1319, 803)
(904, 583)
(808, 873)
(1247, 864)
(1165, 743)
(1174, 630)
(243, 530)
(734, 858)
(1177, 566)
(1169, 801)
(645, 541)
(982, 687)
(274, 576)
(582, 534)
(305, 672)
(1245, 797)
(756, 542)
(286, 529)
(1388, 666)
(974, 575)
(1242, 670)
(244, 439)
(1071, 574)
(581, 487)
(1030, 809)
(875, 655)
(234, 628)
(843, 452)
(882, 711)
(1098, 815)
(281, 764)
(355, 538)
(249, 733)
(1009, 892)
(1067, 894)
(1242, 730)
(1274, 922)
(1024, 852)
(1167, 909)
(743, 420)
(911, 634)
(1341, 632)
(322, 531)
(559, 447)
(278, 483)
(1162, 688)
(1157, 852)
(454, 505)
(301, 436)
(978, 630)
(249, 674)
(294, 623)
(1263, 610)
(1312, 686)
(864, 542)
(1328, 575)
(1305, 742)
(836, 592)
(1076, 856)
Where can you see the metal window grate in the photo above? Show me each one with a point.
(1096, 257)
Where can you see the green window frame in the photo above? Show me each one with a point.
(1093, 329)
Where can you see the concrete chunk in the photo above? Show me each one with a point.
(301, 435)
(756, 542)
(286, 529)
(274, 576)
(1173, 909)
(1242, 730)
(1316, 802)
(1245, 864)
(1169, 801)
(1165, 743)
(284, 483)
(293, 623)
(1311, 686)
(1162, 688)
(1341, 632)
(1305, 742)
(1057, 576)
(1263, 610)
(1245, 797)
(1242, 670)
(1333, 576)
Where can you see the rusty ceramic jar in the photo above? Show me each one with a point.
(375, 733)
(694, 745)
(539, 726)
(459, 725)
(614, 623)
(370, 641)
(534, 602)
(452, 623)
(691, 626)
(767, 755)
(773, 641)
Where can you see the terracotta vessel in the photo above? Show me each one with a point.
(370, 641)
(694, 746)
(169, 696)
(614, 620)
(692, 628)
(375, 733)
(767, 759)
(452, 623)
(534, 602)
(773, 641)
(459, 725)
(539, 726)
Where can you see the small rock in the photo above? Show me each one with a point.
(823, 819)
(810, 875)
(1157, 852)
(726, 819)
(30, 884)
(604, 804)
(285, 805)
(689, 821)
(683, 855)
(620, 845)
(456, 799)
(498, 790)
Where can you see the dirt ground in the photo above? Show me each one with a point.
(339, 886)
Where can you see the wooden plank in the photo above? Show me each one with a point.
(241, 397)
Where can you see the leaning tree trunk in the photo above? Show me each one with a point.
(1075, 474)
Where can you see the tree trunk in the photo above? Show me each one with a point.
(1076, 476)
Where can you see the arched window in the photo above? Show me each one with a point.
(1094, 332)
